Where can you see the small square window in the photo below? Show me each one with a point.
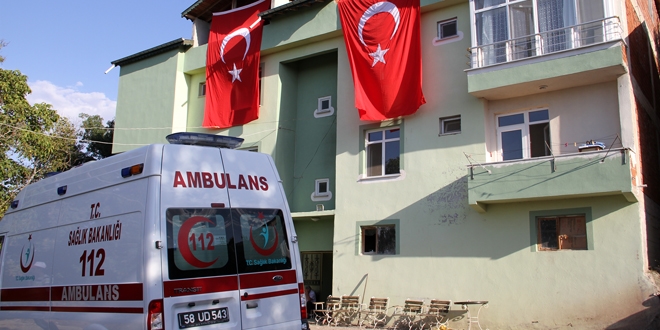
(450, 125)
(322, 187)
(378, 239)
(447, 28)
(202, 89)
(324, 107)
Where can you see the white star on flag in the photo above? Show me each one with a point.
(378, 55)
(235, 74)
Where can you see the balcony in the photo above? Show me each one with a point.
(577, 55)
(588, 174)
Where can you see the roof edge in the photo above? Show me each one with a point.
(171, 45)
(293, 5)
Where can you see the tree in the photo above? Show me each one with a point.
(96, 137)
(34, 139)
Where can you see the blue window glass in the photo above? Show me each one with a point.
(512, 145)
(538, 115)
(516, 119)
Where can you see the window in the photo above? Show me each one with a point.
(324, 107)
(322, 188)
(378, 239)
(202, 89)
(524, 135)
(568, 232)
(447, 29)
(505, 28)
(383, 151)
(450, 125)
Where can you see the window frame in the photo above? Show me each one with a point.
(535, 29)
(524, 128)
(359, 243)
(201, 91)
(317, 196)
(319, 111)
(383, 142)
(534, 219)
(446, 22)
(444, 120)
(317, 186)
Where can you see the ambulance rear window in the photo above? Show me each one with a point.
(199, 243)
(263, 244)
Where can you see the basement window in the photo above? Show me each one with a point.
(566, 232)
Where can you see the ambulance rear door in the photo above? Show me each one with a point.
(200, 282)
(267, 263)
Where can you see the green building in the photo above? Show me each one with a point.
(529, 179)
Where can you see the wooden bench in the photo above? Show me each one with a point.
(324, 312)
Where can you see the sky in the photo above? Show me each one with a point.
(64, 47)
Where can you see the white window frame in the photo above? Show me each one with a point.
(523, 128)
(383, 142)
(607, 11)
(324, 112)
(446, 120)
(318, 195)
(201, 92)
(441, 24)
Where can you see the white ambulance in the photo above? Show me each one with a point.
(186, 235)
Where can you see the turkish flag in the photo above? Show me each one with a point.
(384, 49)
(232, 66)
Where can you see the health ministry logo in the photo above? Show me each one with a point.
(265, 233)
(27, 255)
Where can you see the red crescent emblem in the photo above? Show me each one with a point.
(25, 269)
(184, 248)
(263, 252)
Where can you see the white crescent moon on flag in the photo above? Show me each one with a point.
(379, 7)
(243, 32)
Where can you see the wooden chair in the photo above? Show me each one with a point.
(375, 313)
(324, 312)
(407, 315)
(435, 315)
(349, 309)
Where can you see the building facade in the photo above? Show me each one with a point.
(528, 179)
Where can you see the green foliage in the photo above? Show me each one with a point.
(34, 139)
(96, 137)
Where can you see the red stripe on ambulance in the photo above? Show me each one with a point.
(255, 296)
(260, 280)
(100, 292)
(197, 286)
(26, 294)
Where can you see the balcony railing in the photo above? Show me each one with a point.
(548, 42)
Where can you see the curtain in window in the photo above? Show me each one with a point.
(521, 16)
(554, 15)
(588, 11)
(492, 31)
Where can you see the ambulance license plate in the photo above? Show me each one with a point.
(205, 317)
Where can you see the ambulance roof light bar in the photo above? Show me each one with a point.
(204, 139)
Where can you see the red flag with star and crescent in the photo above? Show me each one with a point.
(384, 50)
(232, 66)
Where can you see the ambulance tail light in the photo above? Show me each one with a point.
(155, 317)
(303, 301)
(132, 170)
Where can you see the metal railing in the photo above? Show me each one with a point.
(548, 42)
